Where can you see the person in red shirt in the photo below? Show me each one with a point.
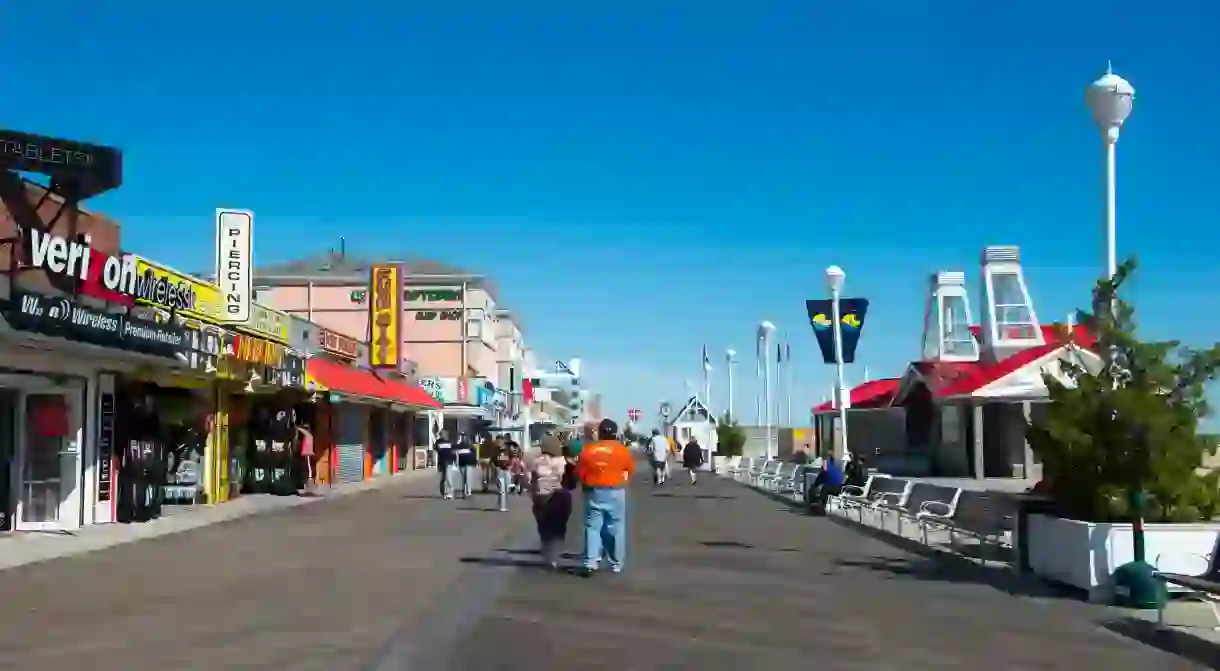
(604, 469)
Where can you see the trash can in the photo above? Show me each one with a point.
(1028, 504)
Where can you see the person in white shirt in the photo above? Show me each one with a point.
(658, 454)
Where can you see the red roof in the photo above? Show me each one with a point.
(871, 394)
(955, 378)
(362, 382)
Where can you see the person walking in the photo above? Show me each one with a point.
(467, 461)
(692, 459)
(658, 454)
(446, 464)
(604, 469)
(552, 500)
(308, 459)
(500, 462)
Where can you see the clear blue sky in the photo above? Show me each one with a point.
(643, 178)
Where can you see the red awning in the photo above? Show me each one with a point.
(871, 394)
(345, 379)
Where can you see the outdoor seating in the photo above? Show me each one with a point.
(768, 469)
(727, 466)
(743, 466)
(985, 516)
(852, 495)
(782, 473)
(884, 491)
(794, 487)
(1203, 586)
(925, 504)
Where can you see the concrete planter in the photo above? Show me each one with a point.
(1085, 554)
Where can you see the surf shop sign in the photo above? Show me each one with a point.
(67, 258)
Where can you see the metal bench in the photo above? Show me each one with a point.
(727, 466)
(783, 473)
(884, 492)
(793, 486)
(925, 504)
(984, 516)
(742, 467)
(767, 470)
(1203, 586)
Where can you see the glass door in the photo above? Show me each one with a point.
(49, 435)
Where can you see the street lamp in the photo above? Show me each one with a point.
(1110, 99)
(765, 329)
(730, 358)
(835, 277)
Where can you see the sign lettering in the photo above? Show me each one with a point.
(61, 316)
(90, 169)
(339, 345)
(259, 351)
(267, 323)
(385, 316)
(234, 263)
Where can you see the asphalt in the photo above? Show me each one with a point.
(718, 577)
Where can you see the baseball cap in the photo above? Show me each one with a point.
(607, 429)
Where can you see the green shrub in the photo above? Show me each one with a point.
(730, 437)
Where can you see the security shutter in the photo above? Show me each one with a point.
(349, 443)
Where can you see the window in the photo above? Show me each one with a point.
(955, 319)
(1013, 318)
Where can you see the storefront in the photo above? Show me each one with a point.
(263, 384)
(469, 403)
(364, 408)
(59, 429)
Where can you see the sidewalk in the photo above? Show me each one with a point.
(21, 548)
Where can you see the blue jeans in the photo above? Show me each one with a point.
(502, 480)
(605, 526)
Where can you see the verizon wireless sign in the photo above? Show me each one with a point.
(53, 315)
(235, 263)
(58, 256)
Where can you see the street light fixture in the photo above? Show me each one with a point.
(1110, 99)
(765, 329)
(835, 279)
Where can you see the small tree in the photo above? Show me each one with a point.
(730, 437)
(1129, 426)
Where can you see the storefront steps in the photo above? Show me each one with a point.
(22, 548)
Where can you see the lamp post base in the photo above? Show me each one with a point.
(1136, 586)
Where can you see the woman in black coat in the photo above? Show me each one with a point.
(692, 459)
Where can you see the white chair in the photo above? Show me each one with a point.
(726, 467)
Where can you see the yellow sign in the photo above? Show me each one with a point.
(268, 323)
(195, 298)
(385, 316)
(258, 351)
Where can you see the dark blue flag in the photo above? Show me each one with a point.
(852, 312)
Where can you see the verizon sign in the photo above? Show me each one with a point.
(235, 263)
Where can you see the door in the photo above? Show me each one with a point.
(50, 432)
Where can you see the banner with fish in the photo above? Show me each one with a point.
(852, 312)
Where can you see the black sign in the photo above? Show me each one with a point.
(852, 312)
(105, 446)
(66, 318)
(86, 169)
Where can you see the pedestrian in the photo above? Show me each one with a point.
(500, 462)
(487, 471)
(516, 465)
(305, 440)
(605, 468)
(446, 464)
(467, 461)
(552, 500)
(692, 459)
(658, 454)
(829, 482)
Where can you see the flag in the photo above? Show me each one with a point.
(758, 356)
(707, 363)
(788, 352)
(852, 312)
(779, 353)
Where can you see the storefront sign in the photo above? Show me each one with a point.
(433, 295)
(235, 263)
(105, 445)
(294, 370)
(118, 279)
(434, 387)
(338, 345)
(267, 323)
(61, 316)
(385, 316)
(89, 168)
(258, 351)
(198, 299)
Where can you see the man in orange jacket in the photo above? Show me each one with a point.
(605, 468)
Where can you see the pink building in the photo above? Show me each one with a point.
(450, 321)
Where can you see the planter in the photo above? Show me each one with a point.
(1085, 554)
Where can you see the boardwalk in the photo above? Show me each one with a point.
(718, 578)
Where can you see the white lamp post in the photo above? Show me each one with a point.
(1110, 99)
(730, 358)
(765, 329)
(835, 278)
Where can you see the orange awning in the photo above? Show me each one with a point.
(334, 376)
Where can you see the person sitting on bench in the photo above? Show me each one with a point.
(828, 482)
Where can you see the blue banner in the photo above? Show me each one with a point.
(852, 312)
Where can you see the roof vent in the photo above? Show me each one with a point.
(1002, 254)
(950, 278)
